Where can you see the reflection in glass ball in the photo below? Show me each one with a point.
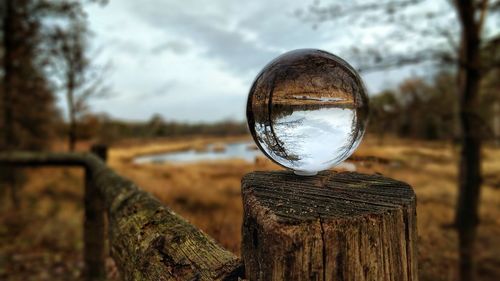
(307, 110)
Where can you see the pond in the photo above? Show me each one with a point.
(240, 150)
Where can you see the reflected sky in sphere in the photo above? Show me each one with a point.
(307, 110)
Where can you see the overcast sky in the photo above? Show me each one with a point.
(195, 60)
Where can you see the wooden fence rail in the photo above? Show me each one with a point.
(333, 226)
(147, 240)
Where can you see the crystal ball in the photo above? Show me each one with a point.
(307, 110)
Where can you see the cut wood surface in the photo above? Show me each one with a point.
(148, 241)
(333, 226)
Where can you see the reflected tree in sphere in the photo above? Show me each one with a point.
(307, 110)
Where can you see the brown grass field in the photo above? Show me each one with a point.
(42, 240)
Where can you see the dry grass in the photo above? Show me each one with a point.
(208, 195)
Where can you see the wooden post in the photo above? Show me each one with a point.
(333, 226)
(93, 230)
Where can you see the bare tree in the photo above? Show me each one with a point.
(453, 35)
(24, 80)
(24, 84)
(80, 79)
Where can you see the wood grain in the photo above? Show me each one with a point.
(333, 226)
(148, 241)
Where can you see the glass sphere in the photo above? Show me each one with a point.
(307, 110)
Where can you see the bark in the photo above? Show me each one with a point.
(148, 241)
(8, 67)
(7, 104)
(334, 226)
(466, 214)
(71, 111)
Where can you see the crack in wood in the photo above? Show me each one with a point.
(349, 227)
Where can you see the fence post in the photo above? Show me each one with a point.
(334, 226)
(94, 254)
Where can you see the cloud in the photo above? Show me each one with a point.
(165, 89)
(195, 60)
(216, 36)
(178, 47)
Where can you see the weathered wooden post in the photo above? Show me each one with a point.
(93, 233)
(333, 226)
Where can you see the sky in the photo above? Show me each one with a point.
(195, 60)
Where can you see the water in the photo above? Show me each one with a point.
(307, 110)
(240, 150)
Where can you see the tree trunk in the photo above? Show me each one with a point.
(333, 226)
(71, 112)
(9, 143)
(72, 135)
(496, 122)
(8, 66)
(466, 217)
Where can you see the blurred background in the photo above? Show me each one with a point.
(164, 84)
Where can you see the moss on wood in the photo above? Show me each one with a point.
(148, 241)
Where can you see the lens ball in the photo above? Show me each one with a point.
(307, 110)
